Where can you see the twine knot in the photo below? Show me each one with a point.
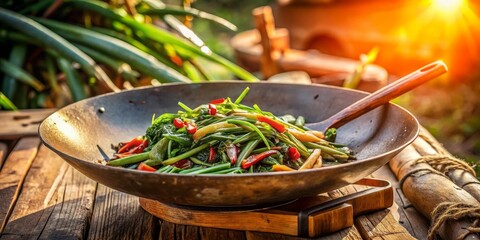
(454, 211)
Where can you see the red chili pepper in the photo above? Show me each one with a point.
(293, 153)
(139, 148)
(178, 123)
(278, 126)
(212, 154)
(232, 153)
(191, 128)
(145, 167)
(218, 101)
(253, 159)
(183, 164)
(177, 60)
(138, 141)
(212, 110)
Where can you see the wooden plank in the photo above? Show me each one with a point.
(170, 230)
(56, 201)
(185, 232)
(220, 234)
(381, 225)
(13, 173)
(119, 215)
(16, 124)
(350, 233)
(3, 153)
(403, 212)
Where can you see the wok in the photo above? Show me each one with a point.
(82, 134)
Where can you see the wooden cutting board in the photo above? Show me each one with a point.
(306, 217)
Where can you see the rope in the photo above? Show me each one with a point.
(454, 211)
(446, 163)
(444, 158)
(426, 170)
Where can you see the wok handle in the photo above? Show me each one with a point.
(385, 94)
(362, 202)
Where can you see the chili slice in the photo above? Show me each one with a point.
(134, 143)
(278, 126)
(212, 110)
(144, 167)
(293, 153)
(183, 164)
(232, 153)
(254, 159)
(191, 128)
(212, 154)
(178, 123)
(217, 101)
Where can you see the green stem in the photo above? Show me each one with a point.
(247, 150)
(184, 155)
(212, 169)
(130, 159)
(199, 162)
(255, 128)
(242, 95)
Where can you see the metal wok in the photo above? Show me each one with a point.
(81, 131)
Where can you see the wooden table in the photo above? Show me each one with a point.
(41, 196)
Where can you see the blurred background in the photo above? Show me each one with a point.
(408, 35)
(398, 36)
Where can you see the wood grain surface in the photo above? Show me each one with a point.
(42, 197)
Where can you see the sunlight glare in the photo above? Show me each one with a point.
(448, 5)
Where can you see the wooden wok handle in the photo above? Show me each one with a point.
(385, 94)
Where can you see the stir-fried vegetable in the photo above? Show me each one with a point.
(228, 137)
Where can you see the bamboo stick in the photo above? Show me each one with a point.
(463, 177)
(427, 188)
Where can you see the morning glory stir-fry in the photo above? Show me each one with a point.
(227, 137)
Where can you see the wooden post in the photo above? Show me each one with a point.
(274, 41)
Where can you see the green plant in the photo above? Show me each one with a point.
(62, 51)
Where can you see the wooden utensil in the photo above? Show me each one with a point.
(382, 96)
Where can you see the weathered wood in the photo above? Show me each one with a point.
(56, 201)
(381, 225)
(118, 214)
(3, 153)
(16, 124)
(13, 173)
(434, 189)
(403, 211)
(186, 232)
(350, 233)
(460, 177)
(265, 25)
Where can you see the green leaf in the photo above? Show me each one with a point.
(159, 35)
(5, 103)
(47, 38)
(19, 74)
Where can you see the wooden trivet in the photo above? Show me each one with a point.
(306, 217)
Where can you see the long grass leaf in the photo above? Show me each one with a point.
(119, 49)
(21, 75)
(75, 84)
(5, 103)
(51, 76)
(120, 67)
(47, 38)
(16, 58)
(179, 11)
(157, 34)
(138, 44)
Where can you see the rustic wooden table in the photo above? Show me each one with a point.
(41, 196)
